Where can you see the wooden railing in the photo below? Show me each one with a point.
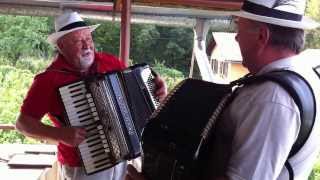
(7, 127)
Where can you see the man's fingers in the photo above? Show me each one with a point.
(161, 90)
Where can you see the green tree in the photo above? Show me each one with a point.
(14, 84)
(313, 36)
(107, 37)
(23, 36)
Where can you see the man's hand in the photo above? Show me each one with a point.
(72, 136)
(161, 88)
(133, 174)
(34, 128)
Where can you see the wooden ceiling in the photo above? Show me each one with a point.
(175, 12)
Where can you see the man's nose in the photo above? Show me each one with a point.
(85, 44)
(237, 37)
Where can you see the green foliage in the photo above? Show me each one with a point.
(171, 76)
(315, 174)
(35, 65)
(14, 84)
(23, 36)
(107, 36)
(313, 36)
(173, 46)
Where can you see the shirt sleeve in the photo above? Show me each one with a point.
(37, 101)
(267, 125)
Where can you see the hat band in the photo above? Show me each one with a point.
(73, 25)
(265, 11)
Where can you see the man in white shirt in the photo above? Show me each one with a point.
(263, 121)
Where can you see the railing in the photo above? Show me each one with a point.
(7, 127)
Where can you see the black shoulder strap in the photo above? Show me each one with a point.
(301, 92)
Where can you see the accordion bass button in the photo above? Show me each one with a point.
(172, 146)
(164, 127)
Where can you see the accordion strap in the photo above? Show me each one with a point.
(301, 92)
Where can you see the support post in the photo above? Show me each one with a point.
(199, 48)
(125, 31)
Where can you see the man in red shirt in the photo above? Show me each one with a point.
(76, 59)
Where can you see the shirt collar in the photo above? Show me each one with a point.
(280, 64)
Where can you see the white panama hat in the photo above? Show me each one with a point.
(66, 23)
(287, 13)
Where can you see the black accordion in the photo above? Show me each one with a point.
(173, 138)
(113, 108)
(183, 139)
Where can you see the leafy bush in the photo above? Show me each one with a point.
(35, 65)
(315, 174)
(14, 84)
(171, 76)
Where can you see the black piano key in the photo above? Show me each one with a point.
(101, 160)
(94, 144)
(83, 110)
(92, 123)
(81, 104)
(88, 129)
(98, 153)
(84, 115)
(92, 138)
(97, 150)
(75, 95)
(89, 135)
(107, 164)
(75, 85)
(79, 100)
(76, 90)
(86, 119)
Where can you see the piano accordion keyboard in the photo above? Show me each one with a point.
(95, 151)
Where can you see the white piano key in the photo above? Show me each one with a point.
(96, 158)
(105, 166)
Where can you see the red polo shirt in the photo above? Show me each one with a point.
(43, 97)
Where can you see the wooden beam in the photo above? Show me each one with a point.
(203, 4)
(125, 30)
(7, 127)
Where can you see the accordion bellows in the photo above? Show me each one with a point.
(113, 108)
(173, 134)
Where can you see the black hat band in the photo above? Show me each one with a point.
(73, 25)
(265, 11)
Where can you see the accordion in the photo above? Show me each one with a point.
(113, 108)
(174, 136)
(183, 133)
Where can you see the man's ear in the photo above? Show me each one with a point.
(263, 37)
(59, 46)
